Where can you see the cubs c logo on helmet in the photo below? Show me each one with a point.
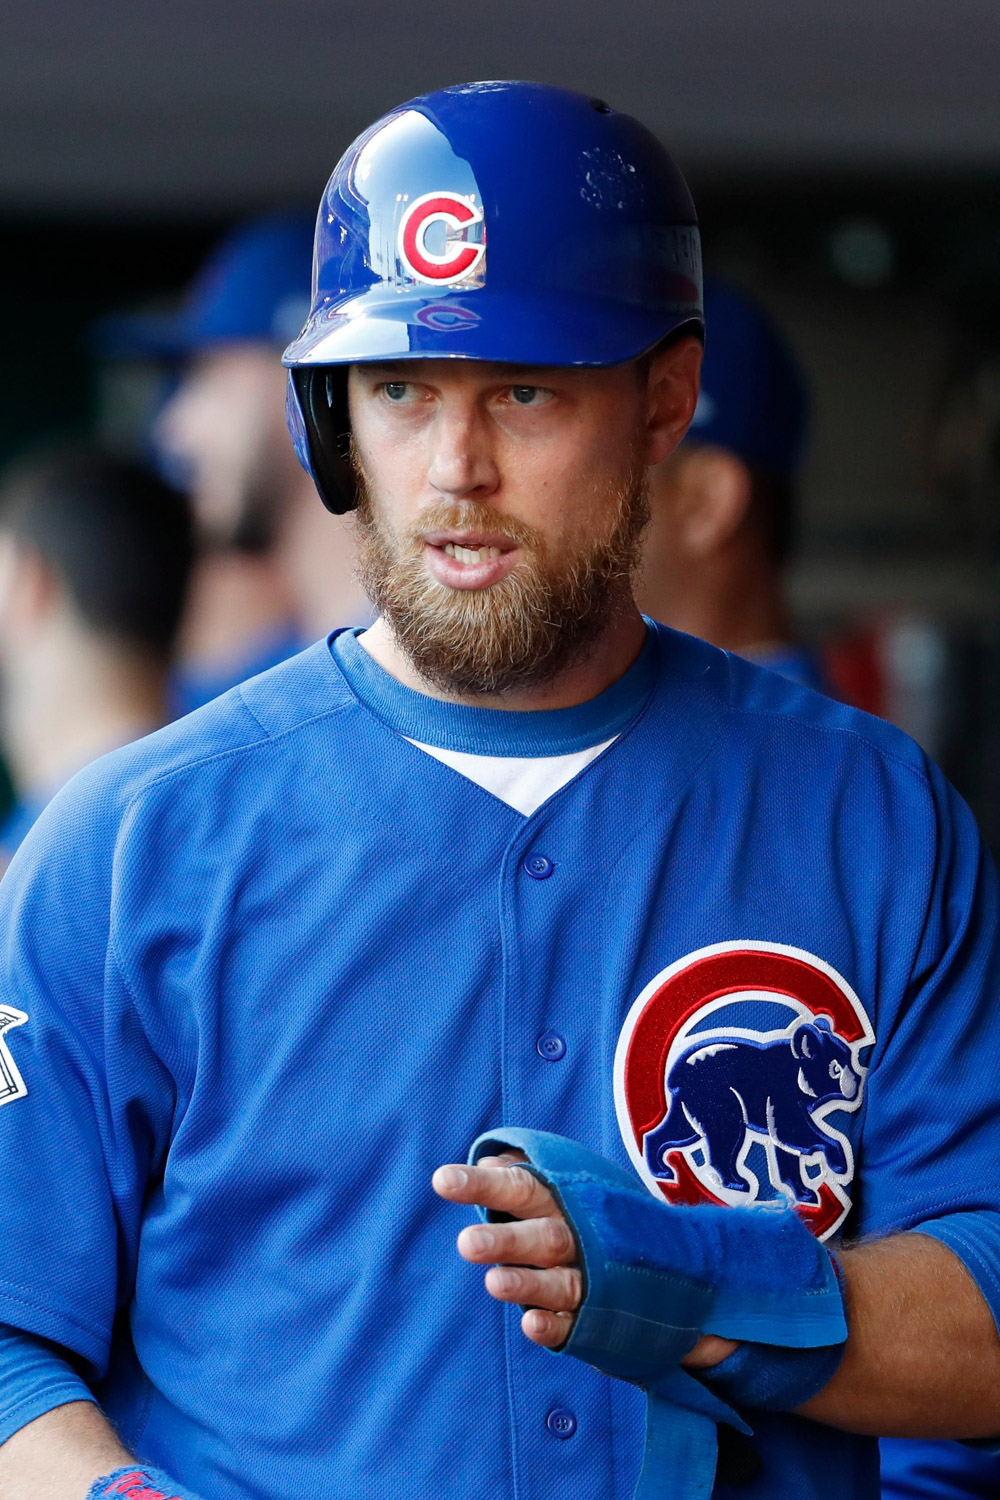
(455, 256)
(713, 1110)
(12, 1085)
(444, 317)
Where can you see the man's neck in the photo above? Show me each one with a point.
(607, 659)
(81, 701)
(733, 600)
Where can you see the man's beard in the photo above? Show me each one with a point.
(529, 626)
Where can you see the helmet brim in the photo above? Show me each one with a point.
(496, 327)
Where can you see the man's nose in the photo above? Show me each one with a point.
(462, 464)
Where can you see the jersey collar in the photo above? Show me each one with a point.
(496, 731)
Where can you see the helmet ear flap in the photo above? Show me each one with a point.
(322, 398)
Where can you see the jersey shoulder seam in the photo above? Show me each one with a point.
(268, 737)
(147, 786)
(881, 751)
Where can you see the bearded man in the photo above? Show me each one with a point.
(724, 952)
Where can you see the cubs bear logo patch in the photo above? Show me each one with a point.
(12, 1085)
(716, 1107)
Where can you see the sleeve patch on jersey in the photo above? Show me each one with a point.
(12, 1085)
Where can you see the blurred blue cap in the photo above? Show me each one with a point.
(753, 400)
(254, 288)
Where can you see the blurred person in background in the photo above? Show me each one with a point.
(723, 505)
(95, 557)
(273, 574)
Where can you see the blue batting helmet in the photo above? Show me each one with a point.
(252, 289)
(754, 399)
(511, 222)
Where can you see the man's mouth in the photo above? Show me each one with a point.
(469, 560)
(470, 554)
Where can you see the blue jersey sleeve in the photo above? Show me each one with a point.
(85, 1104)
(931, 1129)
(34, 1379)
(975, 1239)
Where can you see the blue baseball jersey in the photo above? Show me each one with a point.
(915, 1470)
(264, 970)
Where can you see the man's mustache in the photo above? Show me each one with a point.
(469, 515)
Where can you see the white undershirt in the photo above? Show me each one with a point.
(524, 782)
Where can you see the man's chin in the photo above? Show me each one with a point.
(484, 642)
(499, 624)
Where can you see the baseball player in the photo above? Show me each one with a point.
(685, 974)
(722, 508)
(95, 559)
(270, 576)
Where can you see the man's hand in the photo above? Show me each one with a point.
(533, 1260)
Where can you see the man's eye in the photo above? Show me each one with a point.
(397, 391)
(529, 395)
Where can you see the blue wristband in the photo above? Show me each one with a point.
(655, 1277)
(769, 1378)
(765, 1377)
(136, 1482)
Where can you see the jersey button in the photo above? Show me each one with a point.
(561, 1422)
(551, 1046)
(538, 866)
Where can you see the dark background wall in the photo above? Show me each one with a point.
(219, 103)
(846, 161)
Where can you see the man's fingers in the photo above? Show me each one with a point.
(558, 1290)
(512, 1191)
(531, 1242)
(708, 1352)
(539, 1243)
(550, 1329)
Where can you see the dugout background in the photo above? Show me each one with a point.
(846, 162)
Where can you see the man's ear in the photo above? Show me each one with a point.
(714, 495)
(29, 586)
(673, 394)
(804, 1041)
